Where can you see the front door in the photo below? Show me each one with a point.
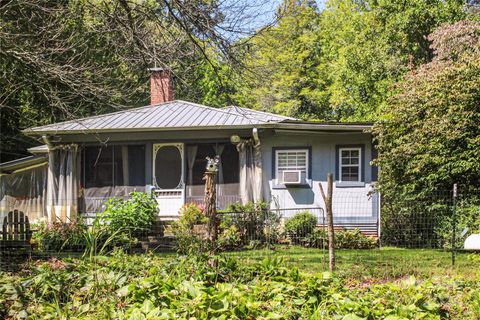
(168, 177)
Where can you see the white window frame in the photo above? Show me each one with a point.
(307, 162)
(359, 165)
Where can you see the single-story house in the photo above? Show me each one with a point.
(162, 148)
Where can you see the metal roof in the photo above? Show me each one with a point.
(22, 163)
(166, 116)
(182, 115)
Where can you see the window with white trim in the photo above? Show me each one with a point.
(350, 164)
(291, 160)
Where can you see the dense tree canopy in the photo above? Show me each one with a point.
(66, 59)
(339, 63)
(429, 138)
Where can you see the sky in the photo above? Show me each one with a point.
(250, 15)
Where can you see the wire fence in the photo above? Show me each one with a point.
(369, 230)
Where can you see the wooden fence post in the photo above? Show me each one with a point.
(329, 212)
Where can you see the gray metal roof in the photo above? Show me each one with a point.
(182, 115)
(166, 116)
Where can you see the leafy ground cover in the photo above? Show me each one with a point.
(149, 286)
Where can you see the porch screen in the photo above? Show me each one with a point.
(113, 171)
(227, 175)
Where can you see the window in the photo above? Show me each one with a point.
(113, 166)
(292, 160)
(350, 164)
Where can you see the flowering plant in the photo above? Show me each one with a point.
(59, 235)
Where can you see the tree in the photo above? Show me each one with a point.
(61, 60)
(282, 66)
(429, 138)
(340, 63)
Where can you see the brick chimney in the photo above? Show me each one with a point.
(161, 86)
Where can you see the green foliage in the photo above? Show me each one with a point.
(300, 225)
(144, 287)
(59, 236)
(344, 239)
(255, 223)
(429, 137)
(190, 215)
(188, 238)
(340, 63)
(135, 215)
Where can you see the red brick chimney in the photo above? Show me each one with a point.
(161, 86)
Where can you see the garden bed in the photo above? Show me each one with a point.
(266, 287)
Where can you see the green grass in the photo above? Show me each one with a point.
(385, 263)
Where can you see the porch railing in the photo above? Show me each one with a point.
(222, 201)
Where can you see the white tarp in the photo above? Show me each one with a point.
(250, 161)
(62, 184)
(24, 191)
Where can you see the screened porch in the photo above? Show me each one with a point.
(170, 170)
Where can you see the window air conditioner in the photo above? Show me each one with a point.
(292, 177)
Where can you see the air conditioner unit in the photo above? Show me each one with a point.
(292, 177)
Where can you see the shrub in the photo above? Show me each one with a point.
(190, 215)
(188, 240)
(60, 236)
(255, 222)
(354, 239)
(345, 239)
(300, 225)
(134, 215)
(229, 238)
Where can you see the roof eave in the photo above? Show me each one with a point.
(11, 166)
(30, 132)
(357, 127)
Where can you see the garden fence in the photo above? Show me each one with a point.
(434, 224)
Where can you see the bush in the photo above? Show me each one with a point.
(60, 236)
(300, 225)
(354, 239)
(345, 239)
(188, 240)
(190, 215)
(134, 216)
(254, 222)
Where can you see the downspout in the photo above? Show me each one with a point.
(47, 142)
(258, 182)
(255, 137)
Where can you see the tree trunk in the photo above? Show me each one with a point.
(329, 212)
(210, 209)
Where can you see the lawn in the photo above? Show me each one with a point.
(386, 263)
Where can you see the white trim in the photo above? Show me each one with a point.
(307, 163)
(359, 165)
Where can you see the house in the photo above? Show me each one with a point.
(162, 148)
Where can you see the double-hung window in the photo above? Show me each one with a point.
(290, 161)
(350, 169)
